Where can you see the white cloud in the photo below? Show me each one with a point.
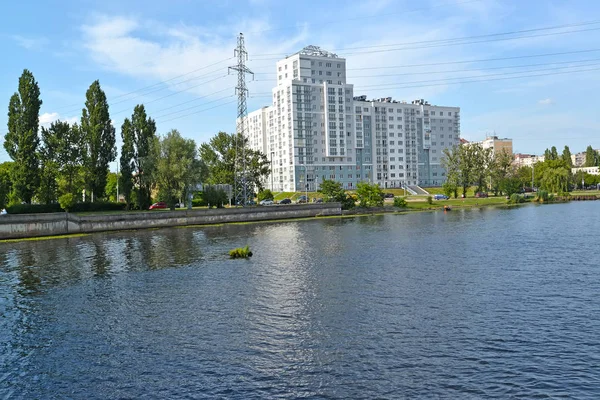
(29, 43)
(546, 102)
(153, 51)
(48, 118)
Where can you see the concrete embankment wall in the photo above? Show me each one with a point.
(33, 225)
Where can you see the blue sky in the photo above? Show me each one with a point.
(535, 98)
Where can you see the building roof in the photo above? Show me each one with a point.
(316, 51)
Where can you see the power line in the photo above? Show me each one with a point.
(196, 99)
(465, 70)
(156, 84)
(484, 76)
(191, 108)
(479, 60)
(437, 6)
(489, 80)
(407, 85)
(595, 22)
(447, 42)
(201, 111)
(174, 93)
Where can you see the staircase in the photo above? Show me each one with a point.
(417, 190)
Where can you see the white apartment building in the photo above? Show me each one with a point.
(496, 144)
(317, 129)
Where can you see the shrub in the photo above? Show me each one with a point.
(429, 200)
(240, 252)
(542, 196)
(214, 197)
(33, 208)
(265, 195)
(67, 201)
(400, 202)
(98, 206)
(516, 199)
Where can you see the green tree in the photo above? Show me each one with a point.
(126, 160)
(554, 176)
(49, 160)
(566, 157)
(501, 172)
(265, 195)
(98, 140)
(591, 157)
(333, 191)
(369, 194)
(178, 167)
(220, 157)
(482, 162)
(465, 164)
(70, 158)
(21, 141)
(214, 197)
(5, 182)
(111, 186)
(144, 134)
(523, 174)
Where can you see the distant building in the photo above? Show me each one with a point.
(527, 160)
(316, 128)
(587, 170)
(579, 158)
(496, 144)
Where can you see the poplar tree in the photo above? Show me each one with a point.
(21, 141)
(144, 160)
(126, 161)
(99, 148)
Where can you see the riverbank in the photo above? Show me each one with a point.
(61, 225)
(41, 225)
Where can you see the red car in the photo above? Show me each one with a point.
(160, 204)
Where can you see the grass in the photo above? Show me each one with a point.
(240, 252)
(35, 239)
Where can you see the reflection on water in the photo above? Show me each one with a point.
(469, 304)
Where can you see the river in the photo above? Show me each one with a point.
(483, 303)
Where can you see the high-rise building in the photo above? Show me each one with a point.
(496, 144)
(317, 129)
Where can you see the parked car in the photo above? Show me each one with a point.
(285, 201)
(159, 205)
(388, 196)
(319, 200)
(266, 202)
(481, 194)
(302, 199)
(440, 197)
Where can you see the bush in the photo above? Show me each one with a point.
(265, 195)
(98, 206)
(214, 197)
(400, 202)
(542, 196)
(516, 199)
(429, 200)
(67, 201)
(33, 208)
(240, 252)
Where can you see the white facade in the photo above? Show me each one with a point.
(496, 144)
(317, 129)
(587, 170)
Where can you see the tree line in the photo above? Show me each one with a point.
(471, 165)
(69, 163)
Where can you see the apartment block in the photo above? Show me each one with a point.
(316, 128)
(497, 144)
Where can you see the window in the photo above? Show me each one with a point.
(339, 65)
(320, 72)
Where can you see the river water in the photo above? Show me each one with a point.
(483, 303)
